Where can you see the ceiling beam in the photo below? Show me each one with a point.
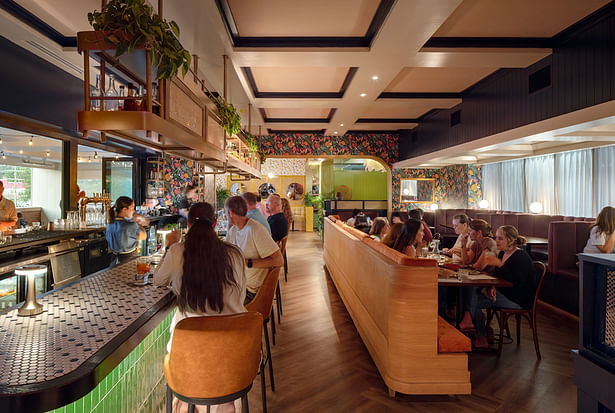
(489, 42)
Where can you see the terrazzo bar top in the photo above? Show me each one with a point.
(54, 358)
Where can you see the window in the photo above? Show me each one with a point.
(17, 184)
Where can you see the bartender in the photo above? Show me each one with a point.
(190, 195)
(8, 213)
(125, 230)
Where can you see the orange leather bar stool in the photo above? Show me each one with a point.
(214, 360)
(263, 303)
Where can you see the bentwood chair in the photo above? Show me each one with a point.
(263, 304)
(530, 313)
(194, 371)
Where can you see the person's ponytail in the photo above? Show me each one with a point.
(120, 203)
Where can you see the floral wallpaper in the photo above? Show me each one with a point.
(177, 173)
(456, 186)
(384, 146)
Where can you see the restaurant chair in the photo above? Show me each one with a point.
(263, 303)
(278, 294)
(530, 313)
(193, 370)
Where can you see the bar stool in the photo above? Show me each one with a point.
(263, 303)
(278, 294)
(193, 369)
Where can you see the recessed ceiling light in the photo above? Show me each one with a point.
(363, 95)
(21, 151)
(341, 124)
(375, 77)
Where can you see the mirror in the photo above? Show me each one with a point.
(294, 191)
(265, 190)
(238, 188)
(417, 190)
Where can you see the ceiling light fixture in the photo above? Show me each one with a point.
(363, 95)
(0, 141)
(375, 77)
(117, 157)
(48, 153)
(3, 155)
(21, 151)
(335, 133)
(341, 124)
(95, 155)
(270, 175)
(30, 142)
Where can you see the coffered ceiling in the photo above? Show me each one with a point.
(340, 65)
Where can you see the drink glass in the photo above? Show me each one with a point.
(143, 266)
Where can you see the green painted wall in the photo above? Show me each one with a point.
(364, 185)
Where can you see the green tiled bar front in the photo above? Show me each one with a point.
(136, 385)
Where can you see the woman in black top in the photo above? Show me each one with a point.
(511, 264)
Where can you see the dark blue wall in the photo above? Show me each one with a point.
(582, 75)
(36, 89)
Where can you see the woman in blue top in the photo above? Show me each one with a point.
(125, 230)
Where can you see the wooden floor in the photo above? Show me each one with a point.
(321, 364)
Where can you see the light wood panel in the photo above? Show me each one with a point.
(321, 364)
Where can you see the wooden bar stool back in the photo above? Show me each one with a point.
(278, 293)
(213, 359)
(263, 304)
(529, 313)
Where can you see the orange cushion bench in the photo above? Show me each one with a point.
(451, 340)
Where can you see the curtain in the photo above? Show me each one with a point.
(492, 184)
(540, 182)
(573, 177)
(513, 185)
(604, 178)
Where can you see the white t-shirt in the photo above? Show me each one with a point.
(595, 239)
(170, 271)
(7, 210)
(457, 257)
(255, 242)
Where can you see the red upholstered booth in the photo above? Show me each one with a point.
(566, 240)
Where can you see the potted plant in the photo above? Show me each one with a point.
(221, 196)
(131, 24)
(231, 121)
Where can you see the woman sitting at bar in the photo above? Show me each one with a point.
(206, 273)
(392, 235)
(380, 228)
(410, 239)
(511, 264)
(125, 230)
(602, 233)
(460, 224)
(480, 234)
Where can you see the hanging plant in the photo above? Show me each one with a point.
(131, 24)
(254, 146)
(231, 121)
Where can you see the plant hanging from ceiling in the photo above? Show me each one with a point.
(231, 121)
(131, 24)
(254, 146)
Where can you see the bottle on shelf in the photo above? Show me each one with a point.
(143, 94)
(130, 104)
(95, 103)
(121, 101)
(111, 105)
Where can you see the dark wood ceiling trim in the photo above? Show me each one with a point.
(297, 120)
(303, 132)
(420, 95)
(387, 120)
(374, 132)
(37, 24)
(380, 15)
(247, 71)
(490, 42)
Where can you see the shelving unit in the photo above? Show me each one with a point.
(154, 183)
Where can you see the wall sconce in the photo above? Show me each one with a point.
(30, 306)
(433, 207)
(483, 204)
(30, 142)
(535, 207)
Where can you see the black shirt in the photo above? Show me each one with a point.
(279, 226)
(184, 202)
(519, 270)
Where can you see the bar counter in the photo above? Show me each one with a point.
(99, 343)
(42, 237)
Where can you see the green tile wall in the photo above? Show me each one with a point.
(136, 385)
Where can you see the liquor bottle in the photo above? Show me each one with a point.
(94, 103)
(111, 105)
(121, 101)
(130, 104)
(143, 94)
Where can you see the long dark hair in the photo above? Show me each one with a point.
(120, 203)
(408, 235)
(208, 268)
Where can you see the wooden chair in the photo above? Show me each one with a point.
(263, 304)
(278, 294)
(530, 313)
(193, 370)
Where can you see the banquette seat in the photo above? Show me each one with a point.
(393, 301)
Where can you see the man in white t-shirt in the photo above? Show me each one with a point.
(260, 251)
